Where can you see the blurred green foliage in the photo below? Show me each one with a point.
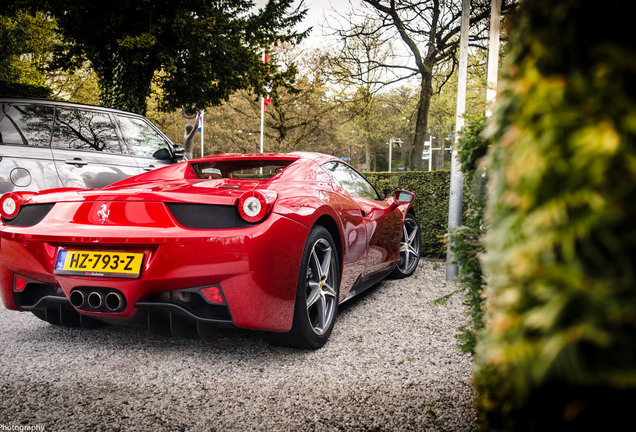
(559, 351)
(431, 191)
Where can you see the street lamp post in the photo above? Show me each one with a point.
(390, 143)
(350, 145)
(430, 156)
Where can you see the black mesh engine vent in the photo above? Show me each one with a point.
(29, 215)
(207, 216)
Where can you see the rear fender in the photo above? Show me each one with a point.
(308, 211)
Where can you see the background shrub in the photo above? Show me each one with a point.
(431, 191)
(466, 240)
(559, 352)
(8, 89)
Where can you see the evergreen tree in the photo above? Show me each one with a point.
(200, 51)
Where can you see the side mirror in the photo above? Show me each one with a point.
(178, 152)
(401, 197)
(162, 154)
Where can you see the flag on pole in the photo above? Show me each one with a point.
(268, 86)
(201, 131)
(263, 107)
(200, 128)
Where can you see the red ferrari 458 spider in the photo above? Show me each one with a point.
(271, 242)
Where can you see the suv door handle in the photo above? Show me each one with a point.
(76, 161)
(149, 167)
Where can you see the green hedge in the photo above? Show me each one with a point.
(431, 191)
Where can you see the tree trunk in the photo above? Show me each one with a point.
(421, 123)
(188, 138)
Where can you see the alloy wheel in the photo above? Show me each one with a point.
(409, 246)
(321, 280)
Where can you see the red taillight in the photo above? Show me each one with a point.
(254, 206)
(19, 283)
(10, 205)
(212, 294)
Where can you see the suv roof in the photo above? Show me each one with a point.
(64, 103)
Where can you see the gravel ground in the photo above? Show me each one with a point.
(392, 364)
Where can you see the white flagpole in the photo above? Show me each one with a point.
(262, 108)
(493, 55)
(201, 122)
(262, 120)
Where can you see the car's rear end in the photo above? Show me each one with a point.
(177, 255)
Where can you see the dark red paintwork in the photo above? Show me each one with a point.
(256, 267)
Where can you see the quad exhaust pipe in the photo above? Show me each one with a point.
(114, 301)
(77, 299)
(97, 301)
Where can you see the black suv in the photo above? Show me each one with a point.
(46, 144)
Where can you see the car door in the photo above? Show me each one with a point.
(383, 224)
(26, 161)
(150, 148)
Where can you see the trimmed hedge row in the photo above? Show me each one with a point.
(431, 191)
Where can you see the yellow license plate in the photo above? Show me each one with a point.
(88, 263)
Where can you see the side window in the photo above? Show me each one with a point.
(26, 125)
(85, 130)
(143, 138)
(350, 180)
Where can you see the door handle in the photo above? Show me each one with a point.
(149, 167)
(76, 161)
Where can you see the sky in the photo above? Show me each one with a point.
(317, 12)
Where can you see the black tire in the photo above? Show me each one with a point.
(410, 246)
(317, 294)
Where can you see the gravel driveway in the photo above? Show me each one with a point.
(392, 364)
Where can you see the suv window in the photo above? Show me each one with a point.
(26, 125)
(85, 130)
(350, 180)
(143, 138)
